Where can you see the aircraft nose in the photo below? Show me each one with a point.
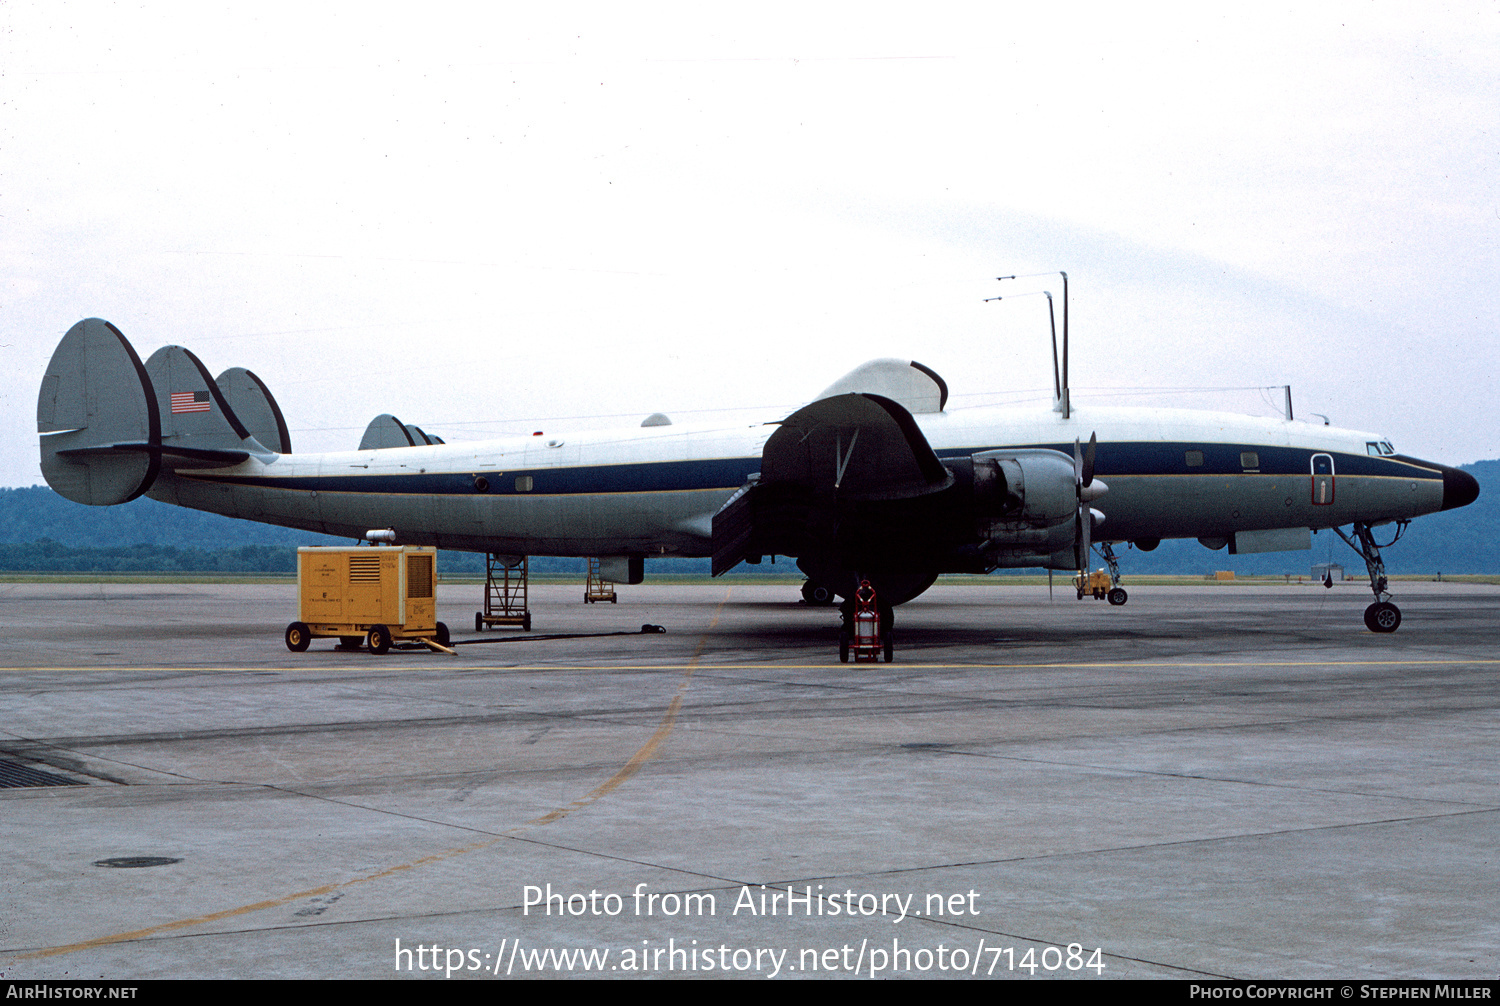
(1459, 488)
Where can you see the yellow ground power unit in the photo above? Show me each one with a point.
(376, 595)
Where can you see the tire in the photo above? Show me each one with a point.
(1117, 596)
(298, 636)
(526, 622)
(890, 648)
(442, 634)
(816, 594)
(478, 621)
(843, 647)
(1382, 616)
(380, 640)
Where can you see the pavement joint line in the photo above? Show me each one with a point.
(692, 665)
(1126, 771)
(623, 775)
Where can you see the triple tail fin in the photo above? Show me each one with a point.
(386, 431)
(109, 423)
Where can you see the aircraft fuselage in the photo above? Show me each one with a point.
(654, 490)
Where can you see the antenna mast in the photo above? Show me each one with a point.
(1060, 402)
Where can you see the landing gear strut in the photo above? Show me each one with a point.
(1382, 616)
(1116, 595)
(1095, 583)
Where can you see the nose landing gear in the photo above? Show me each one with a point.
(1382, 616)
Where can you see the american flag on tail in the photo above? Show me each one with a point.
(190, 401)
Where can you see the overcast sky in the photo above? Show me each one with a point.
(491, 219)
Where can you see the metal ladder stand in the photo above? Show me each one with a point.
(505, 588)
(597, 589)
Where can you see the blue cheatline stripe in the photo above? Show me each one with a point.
(730, 473)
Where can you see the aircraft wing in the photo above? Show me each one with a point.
(830, 476)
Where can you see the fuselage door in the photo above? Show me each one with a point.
(1322, 479)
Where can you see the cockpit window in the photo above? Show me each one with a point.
(1379, 448)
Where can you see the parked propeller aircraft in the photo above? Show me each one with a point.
(875, 479)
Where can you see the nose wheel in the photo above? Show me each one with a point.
(1382, 616)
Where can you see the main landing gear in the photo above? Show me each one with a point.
(1101, 587)
(1382, 616)
(1116, 595)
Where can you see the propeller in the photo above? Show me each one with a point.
(1083, 480)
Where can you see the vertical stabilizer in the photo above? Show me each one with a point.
(386, 431)
(96, 413)
(252, 401)
(198, 427)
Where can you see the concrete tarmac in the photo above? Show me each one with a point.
(1215, 781)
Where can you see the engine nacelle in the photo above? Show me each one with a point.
(1026, 505)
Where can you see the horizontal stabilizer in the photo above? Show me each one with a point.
(220, 458)
(253, 403)
(919, 389)
(198, 427)
(96, 393)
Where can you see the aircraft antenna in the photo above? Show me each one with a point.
(1059, 378)
(1063, 398)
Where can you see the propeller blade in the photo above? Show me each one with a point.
(1087, 474)
(1083, 539)
(1077, 461)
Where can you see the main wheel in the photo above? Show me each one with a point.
(380, 639)
(442, 634)
(297, 637)
(478, 621)
(1382, 616)
(816, 594)
(843, 647)
(1117, 596)
(890, 648)
(526, 622)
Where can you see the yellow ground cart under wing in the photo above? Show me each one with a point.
(376, 595)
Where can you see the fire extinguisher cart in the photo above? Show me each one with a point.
(865, 631)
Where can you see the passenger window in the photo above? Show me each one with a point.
(1194, 459)
(1249, 459)
(523, 483)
